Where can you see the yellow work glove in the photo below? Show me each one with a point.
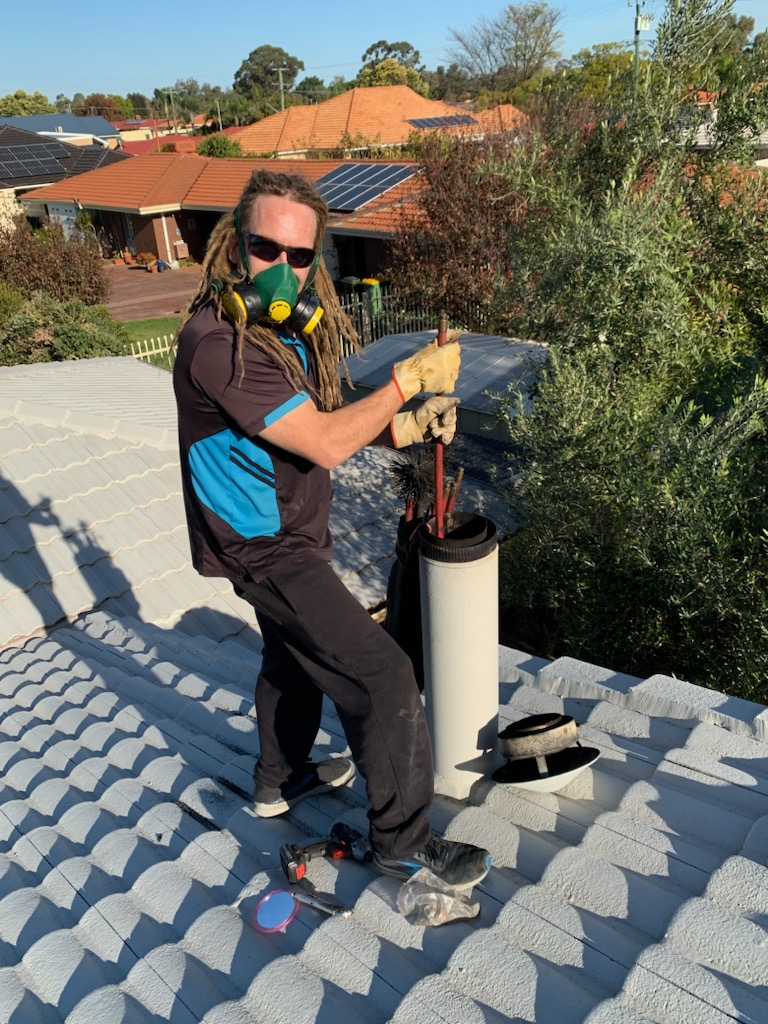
(434, 421)
(432, 369)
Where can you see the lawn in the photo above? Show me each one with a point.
(156, 327)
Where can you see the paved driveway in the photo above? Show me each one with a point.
(136, 294)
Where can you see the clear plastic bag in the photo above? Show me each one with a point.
(433, 900)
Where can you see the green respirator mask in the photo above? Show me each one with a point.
(271, 297)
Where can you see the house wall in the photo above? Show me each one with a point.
(181, 228)
(144, 235)
(191, 233)
(140, 134)
(9, 208)
(65, 214)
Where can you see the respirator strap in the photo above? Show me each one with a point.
(241, 242)
(245, 306)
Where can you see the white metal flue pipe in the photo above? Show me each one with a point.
(459, 578)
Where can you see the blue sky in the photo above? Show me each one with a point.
(88, 46)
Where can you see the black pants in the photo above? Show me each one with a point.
(319, 640)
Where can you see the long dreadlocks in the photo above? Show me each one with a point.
(327, 340)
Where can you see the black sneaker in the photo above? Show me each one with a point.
(458, 864)
(269, 801)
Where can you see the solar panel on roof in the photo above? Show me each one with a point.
(55, 149)
(32, 160)
(351, 186)
(449, 121)
(28, 168)
(43, 151)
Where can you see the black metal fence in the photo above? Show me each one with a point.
(376, 313)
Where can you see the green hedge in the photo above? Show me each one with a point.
(45, 330)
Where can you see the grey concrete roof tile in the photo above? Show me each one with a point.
(593, 681)
(611, 947)
(156, 984)
(12, 504)
(368, 587)
(519, 666)
(670, 988)
(665, 697)
(23, 614)
(656, 735)
(123, 530)
(108, 1003)
(608, 890)
(739, 885)
(685, 810)
(431, 1001)
(234, 1012)
(636, 846)
(745, 785)
(725, 943)
(20, 1001)
(612, 1011)
(128, 840)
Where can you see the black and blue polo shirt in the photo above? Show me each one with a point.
(251, 506)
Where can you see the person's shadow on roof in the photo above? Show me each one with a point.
(105, 580)
(22, 566)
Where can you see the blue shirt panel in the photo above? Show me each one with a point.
(235, 478)
(281, 410)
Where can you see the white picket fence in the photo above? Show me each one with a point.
(388, 315)
(155, 350)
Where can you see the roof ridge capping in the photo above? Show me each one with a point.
(658, 696)
(162, 438)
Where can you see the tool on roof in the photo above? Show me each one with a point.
(279, 907)
(413, 477)
(442, 338)
(453, 491)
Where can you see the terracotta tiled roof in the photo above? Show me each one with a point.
(172, 181)
(130, 124)
(143, 184)
(503, 118)
(380, 114)
(163, 144)
(219, 186)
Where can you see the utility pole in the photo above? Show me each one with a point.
(282, 90)
(173, 111)
(642, 24)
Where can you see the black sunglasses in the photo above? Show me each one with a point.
(268, 251)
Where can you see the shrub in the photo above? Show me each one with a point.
(11, 301)
(643, 531)
(641, 540)
(219, 146)
(45, 260)
(45, 330)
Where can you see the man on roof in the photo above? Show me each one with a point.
(261, 424)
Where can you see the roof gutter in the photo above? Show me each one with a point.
(149, 211)
(87, 204)
(333, 229)
(209, 207)
(67, 136)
